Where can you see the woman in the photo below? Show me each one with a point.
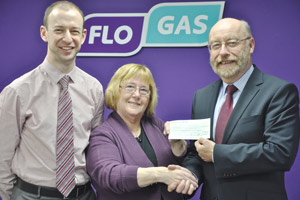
(128, 154)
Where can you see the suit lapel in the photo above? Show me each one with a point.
(213, 99)
(249, 92)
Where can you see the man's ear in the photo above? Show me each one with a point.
(252, 45)
(43, 33)
(84, 32)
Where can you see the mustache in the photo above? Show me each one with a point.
(227, 60)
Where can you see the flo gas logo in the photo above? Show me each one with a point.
(166, 25)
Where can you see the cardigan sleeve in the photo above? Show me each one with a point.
(105, 165)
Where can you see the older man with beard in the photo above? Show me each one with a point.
(255, 123)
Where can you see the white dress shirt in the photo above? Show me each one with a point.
(239, 84)
(28, 123)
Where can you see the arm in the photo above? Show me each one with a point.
(174, 174)
(279, 130)
(10, 128)
(193, 164)
(105, 163)
(99, 107)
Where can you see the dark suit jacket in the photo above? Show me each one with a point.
(260, 141)
(114, 156)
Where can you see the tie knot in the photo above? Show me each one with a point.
(231, 89)
(64, 81)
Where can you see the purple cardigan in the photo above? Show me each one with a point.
(114, 156)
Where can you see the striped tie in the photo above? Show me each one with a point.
(65, 175)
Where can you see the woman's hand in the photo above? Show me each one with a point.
(183, 182)
(178, 146)
(176, 177)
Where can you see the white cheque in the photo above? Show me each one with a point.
(190, 129)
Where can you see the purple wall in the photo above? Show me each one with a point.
(178, 71)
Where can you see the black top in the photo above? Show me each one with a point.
(146, 146)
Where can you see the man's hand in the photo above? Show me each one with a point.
(186, 184)
(205, 149)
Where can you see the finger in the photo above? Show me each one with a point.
(173, 167)
(186, 187)
(172, 186)
(201, 140)
(191, 189)
(186, 174)
(197, 145)
(180, 186)
(194, 184)
(167, 128)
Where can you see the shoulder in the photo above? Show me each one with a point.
(110, 126)
(25, 83)
(209, 88)
(28, 78)
(153, 121)
(87, 78)
(89, 86)
(273, 83)
(209, 92)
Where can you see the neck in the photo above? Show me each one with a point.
(64, 67)
(134, 124)
(231, 80)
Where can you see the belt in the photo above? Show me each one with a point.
(51, 192)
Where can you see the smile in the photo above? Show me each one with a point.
(134, 103)
(226, 62)
(67, 48)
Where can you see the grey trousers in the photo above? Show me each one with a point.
(19, 194)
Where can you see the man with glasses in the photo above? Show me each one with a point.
(255, 123)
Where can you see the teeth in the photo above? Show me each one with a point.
(226, 62)
(134, 103)
(66, 48)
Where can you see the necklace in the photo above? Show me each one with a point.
(139, 139)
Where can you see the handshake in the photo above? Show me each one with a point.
(181, 180)
(176, 177)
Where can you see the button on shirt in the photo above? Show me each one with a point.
(28, 124)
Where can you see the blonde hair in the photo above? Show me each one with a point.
(123, 74)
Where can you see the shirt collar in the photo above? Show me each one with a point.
(54, 74)
(240, 83)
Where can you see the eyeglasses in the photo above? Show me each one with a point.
(131, 88)
(230, 44)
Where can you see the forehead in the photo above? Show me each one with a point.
(65, 17)
(226, 30)
(137, 80)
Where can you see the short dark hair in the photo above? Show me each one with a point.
(66, 5)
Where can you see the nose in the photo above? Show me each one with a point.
(67, 36)
(136, 93)
(224, 50)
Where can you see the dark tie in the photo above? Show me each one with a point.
(65, 175)
(224, 114)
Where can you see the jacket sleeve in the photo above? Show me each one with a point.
(105, 165)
